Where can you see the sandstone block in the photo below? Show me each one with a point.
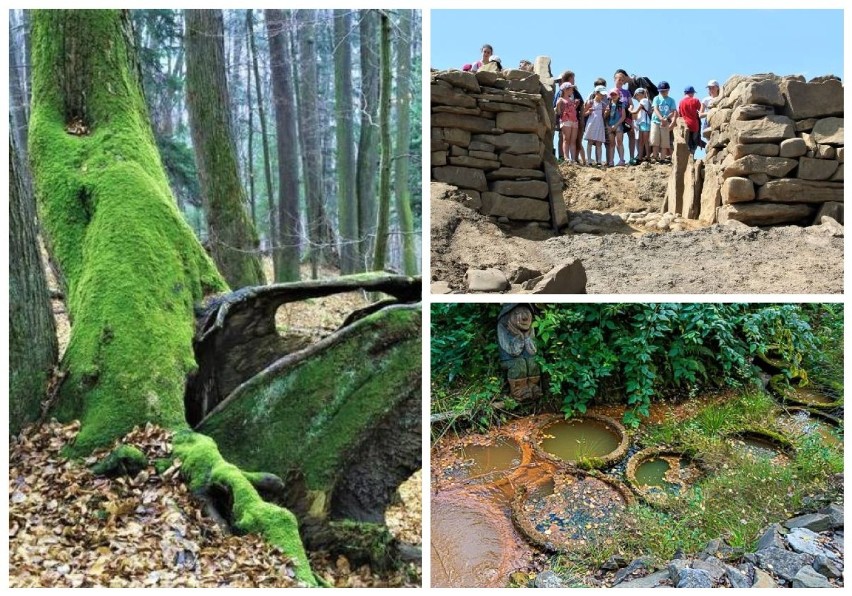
(487, 78)
(816, 169)
(792, 147)
(518, 121)
(790, 190)
(439, 158)
(764, 214)
(840, 154)
(514, 142)
(838, 174)
(449, 96)
(757, 164)
(766, 92)
(752, 111)
(484, 155)
(528, 161)
(772, 129)
(719, 116)
(517, 208)
(826, 152)
(473, 162)
(813, 100)
(828, 131)
(486, 280)
(759, 179)
(461, 176)
(457, 151)
(805, 125)
(451, 136)
(457, 110)
(530, 84)
(505, 173)
(830, 209)
(767, 149)
(711, 193)
(460, 79)
(558, 211)
(521, 188)
(468, 123)
(565, 278)
(737, 190)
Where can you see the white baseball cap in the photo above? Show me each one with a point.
(713, 83)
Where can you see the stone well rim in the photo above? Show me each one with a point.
(592, 463)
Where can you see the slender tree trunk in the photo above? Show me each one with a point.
(310, 134)
(367, 142)
(32, 336)
(402, 192)
(347, 205)
(264, 137)
(382, 223)
(250, 148)
(232, 238)
(18, 106)
(287, 266)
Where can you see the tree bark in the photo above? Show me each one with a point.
(32, 335)
(287, 265)
(402, 190)
(382, 223)
(264, 137)
(367, 141)
(250, 143)
(309, 135)
(232, 238)
(347, 204)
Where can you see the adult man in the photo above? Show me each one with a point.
(688, 110)
(663, 120)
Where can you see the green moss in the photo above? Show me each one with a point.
(202, 465)
(123, 460)
(134, 268)
(365, 543)
(313, 416)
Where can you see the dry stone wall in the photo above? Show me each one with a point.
(492, 137)
(774, 154)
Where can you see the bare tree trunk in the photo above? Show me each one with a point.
(367, 142)
(18, 106)
(381, 248)
(261, 116)
(32, 336)
(250, 148)
(287, 266)
(347, 204)
(309, 134)
(232, 238)
(402, 192)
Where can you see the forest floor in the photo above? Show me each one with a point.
(69, 528)
(623, 258)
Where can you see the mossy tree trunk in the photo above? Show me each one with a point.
(32, 336)
(402, 191)
(368, 154)
(232, 238)
(344, 116)
(133, 268)
(287, 249)
(382, 224)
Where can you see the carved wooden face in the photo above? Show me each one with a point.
(521, 317)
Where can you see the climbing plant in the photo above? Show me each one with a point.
(633, 351)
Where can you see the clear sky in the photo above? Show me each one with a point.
(697, 45)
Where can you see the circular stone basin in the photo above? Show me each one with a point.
(759, 445)
(808, 395)
(486, 461)
(804, 422)
(473, 544)
(658, 474)
(590, 441)
(571, 510)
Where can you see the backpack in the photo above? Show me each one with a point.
(646, 84)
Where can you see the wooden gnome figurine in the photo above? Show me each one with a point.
(516, 337)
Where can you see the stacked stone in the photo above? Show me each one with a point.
(775, 152)
(492, 137)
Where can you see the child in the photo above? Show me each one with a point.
(595, 127)
(621, 79)
(688, 110)
(614, 118)
(663, 118)
(708, 102)
(486, 50)
(642, 120)
(566, 112)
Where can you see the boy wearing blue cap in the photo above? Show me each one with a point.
(688, 109)
(663, 120)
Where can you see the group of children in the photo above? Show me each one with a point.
(605, 117)
(646, 116)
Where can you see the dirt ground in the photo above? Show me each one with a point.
(633, 259)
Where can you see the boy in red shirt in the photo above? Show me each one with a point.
(688, 109)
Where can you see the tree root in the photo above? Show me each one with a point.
(207, 472)
(124, 460)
